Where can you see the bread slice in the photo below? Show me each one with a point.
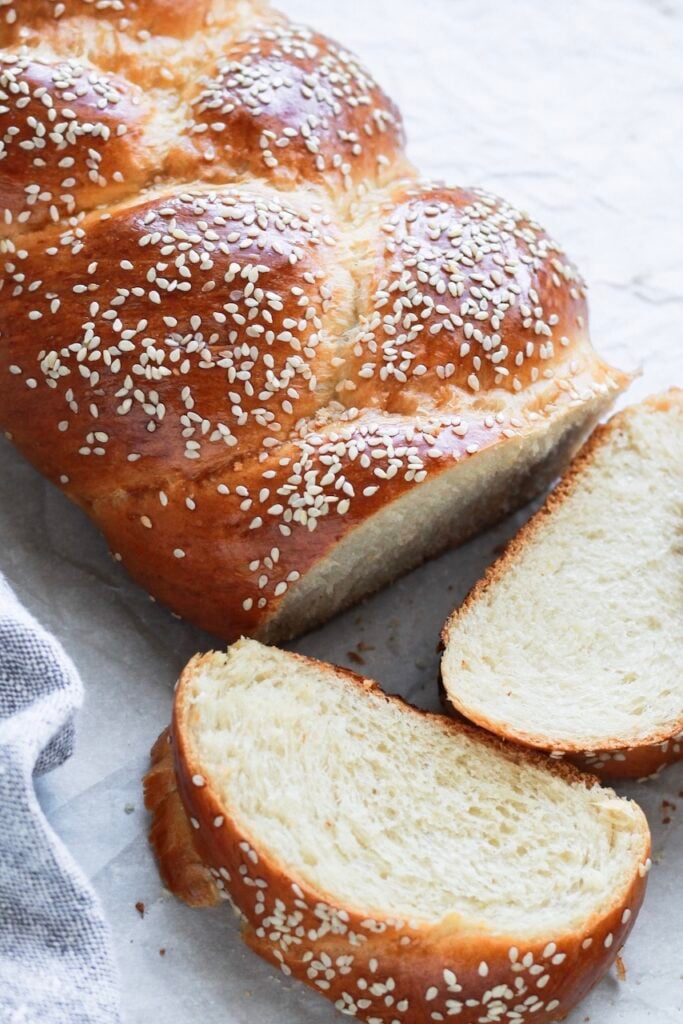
(447, 509)
(408, 867)
(573, 642)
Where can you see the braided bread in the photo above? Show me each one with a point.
(272, 364)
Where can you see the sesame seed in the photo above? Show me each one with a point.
(239, 286)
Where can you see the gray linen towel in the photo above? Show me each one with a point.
(55, 961)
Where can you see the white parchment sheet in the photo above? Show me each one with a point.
(573, 110)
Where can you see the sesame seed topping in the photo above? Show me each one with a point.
(300, 103)
(226, 345)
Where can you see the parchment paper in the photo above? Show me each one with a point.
(572, 110)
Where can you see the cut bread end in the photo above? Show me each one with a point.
(573, 641)
(446, 510)
(374, 850)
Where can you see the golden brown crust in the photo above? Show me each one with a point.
(379, 969)
(618, 759)
(641, 762)
(180, 864)
(158, 44)
(286, 103)
(180, 18)
(176, 393)
(519, 309)
(233, 326)
(94, 141)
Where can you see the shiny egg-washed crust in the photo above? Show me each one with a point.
(380, 970)
(616, 759)
(235, 326)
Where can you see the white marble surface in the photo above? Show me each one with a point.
(573, 110)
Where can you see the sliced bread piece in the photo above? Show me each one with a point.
(409, 868)
(573, 641)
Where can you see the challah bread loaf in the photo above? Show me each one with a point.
(273, 366)
(573, 642)
(408, 868)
